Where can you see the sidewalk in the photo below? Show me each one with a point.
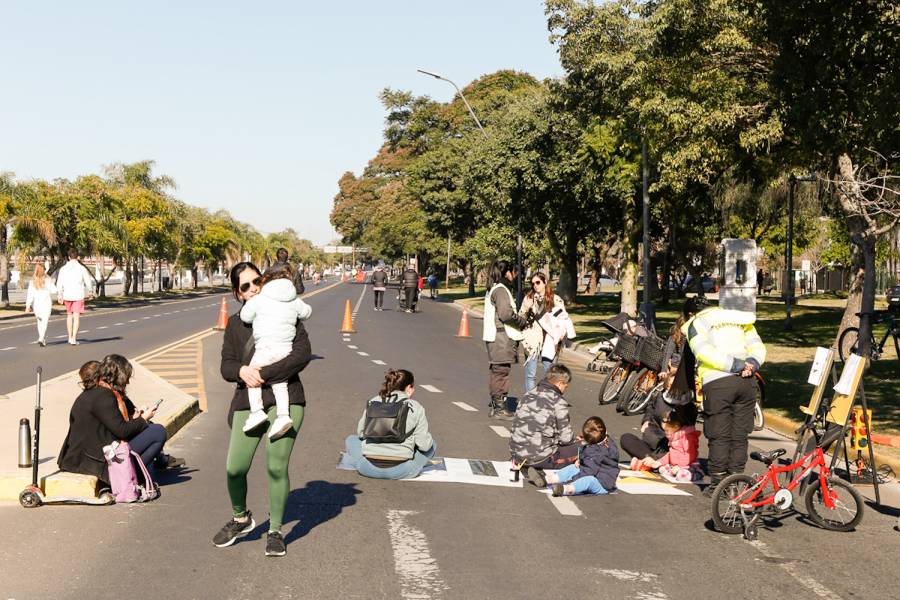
(778, 424)
(57, 396)
(17, 311)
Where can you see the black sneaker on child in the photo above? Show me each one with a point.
(234, 529)
(275, 544)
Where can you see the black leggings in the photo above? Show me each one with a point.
(639, 449)
(564, 456)
(379, 298)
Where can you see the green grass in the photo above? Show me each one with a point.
(789, 353)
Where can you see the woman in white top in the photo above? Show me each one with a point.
(39, 298)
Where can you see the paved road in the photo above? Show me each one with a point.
(351, 537)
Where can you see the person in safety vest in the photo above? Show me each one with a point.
(502, 334)
(728, 352)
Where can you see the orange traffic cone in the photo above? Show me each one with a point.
(464, 324)
(347, 325)
(223, 316)
(360, 276)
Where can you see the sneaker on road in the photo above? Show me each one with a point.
(281, 426)
(535, 476)
(256, 418)
(234, 529)
(275, 544)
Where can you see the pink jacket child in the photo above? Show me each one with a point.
(679, 464)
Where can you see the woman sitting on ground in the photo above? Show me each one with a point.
(102, 414)
(394, 460)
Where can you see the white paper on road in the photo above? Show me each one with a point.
(817, 372)
(844, 385)
(464, 470)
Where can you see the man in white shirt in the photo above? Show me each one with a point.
(71, 283)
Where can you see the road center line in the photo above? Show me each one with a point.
(363, 353)
(361, 295)
(378, 362)
(565, 506)
(417, 570)
(465, 406)
(431, 389)
(7, 348)
(353, 347)
(501, 431)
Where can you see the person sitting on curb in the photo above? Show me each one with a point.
(400, 459)
(102, 414)
(542, 436)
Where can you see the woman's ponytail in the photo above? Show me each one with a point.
(395, 379)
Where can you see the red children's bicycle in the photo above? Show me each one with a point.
(740, 500)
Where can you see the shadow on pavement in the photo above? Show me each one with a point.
(308, 507)
(174, 476)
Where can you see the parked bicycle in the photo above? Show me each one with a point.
(848, 342)
(741, 500)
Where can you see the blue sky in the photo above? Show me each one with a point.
(257, 107)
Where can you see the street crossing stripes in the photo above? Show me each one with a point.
(501, 431)
(379, 362)
(182, 366)
(565, 506)
(431, 389)
(466, 407)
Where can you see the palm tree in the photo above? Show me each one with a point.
(18, 210)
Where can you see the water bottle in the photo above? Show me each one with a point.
(24, 444)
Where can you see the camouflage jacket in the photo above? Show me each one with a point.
(541, 424)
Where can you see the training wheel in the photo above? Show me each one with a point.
(29, 499)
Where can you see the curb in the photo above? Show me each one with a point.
(775, 422)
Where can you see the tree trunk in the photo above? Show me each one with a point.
(195, 275)
(629, 278)
(567, 254)
(126, 282)
(471, 276)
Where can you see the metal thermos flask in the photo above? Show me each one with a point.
(24, 443)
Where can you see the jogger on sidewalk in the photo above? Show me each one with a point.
(237, 350)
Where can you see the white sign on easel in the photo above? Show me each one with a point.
(817, 372)
(848, 375)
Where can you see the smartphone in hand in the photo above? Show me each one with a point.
(158, 402)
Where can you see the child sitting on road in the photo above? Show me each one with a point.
(273, 313)
(679, 464)
(597, 467)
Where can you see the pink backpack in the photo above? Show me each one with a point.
(123, 479)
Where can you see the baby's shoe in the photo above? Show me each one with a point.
(635, 465)
(256, 418)
(281, 426)
(558, 489)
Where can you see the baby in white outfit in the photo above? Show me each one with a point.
(273, 313)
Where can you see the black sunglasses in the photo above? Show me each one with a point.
(246, 285)
(536, 282)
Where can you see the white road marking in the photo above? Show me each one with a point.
(157, 315)
(805, 580)
(465, 406)
(59, 337)
(7, 348)
(565, 506)
(84, 331)
(363, 353)
(102, 327)
(353, 347)
(418, 573)
(501, 431)
(117, 324)
(378, 362)
(361, 295)
(651, 590)
(144, 318)
(133, 321)
(431, 389)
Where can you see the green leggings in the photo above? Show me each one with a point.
(241, 449)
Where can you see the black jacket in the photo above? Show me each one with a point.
(409, 279)
(298, 276)
(237, 350)
(379, 278)
(94, 422)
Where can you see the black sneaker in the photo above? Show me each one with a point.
(558, 490)
(535, 477)
(233, 530)
(169, 462)
(275, 544)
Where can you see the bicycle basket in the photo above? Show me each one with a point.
(650, 352)
(627, 348)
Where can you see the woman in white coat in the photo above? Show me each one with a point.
(40, 299)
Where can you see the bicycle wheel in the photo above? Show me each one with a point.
(849, 343)
(609, 389)
(640, 399)
(726, 511)
(848, 505)
(628, 390)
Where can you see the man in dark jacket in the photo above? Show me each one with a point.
(542, 436)
(281, 256)
(379, 285)
(409, 283)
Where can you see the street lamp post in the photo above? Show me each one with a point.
(477, 122)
